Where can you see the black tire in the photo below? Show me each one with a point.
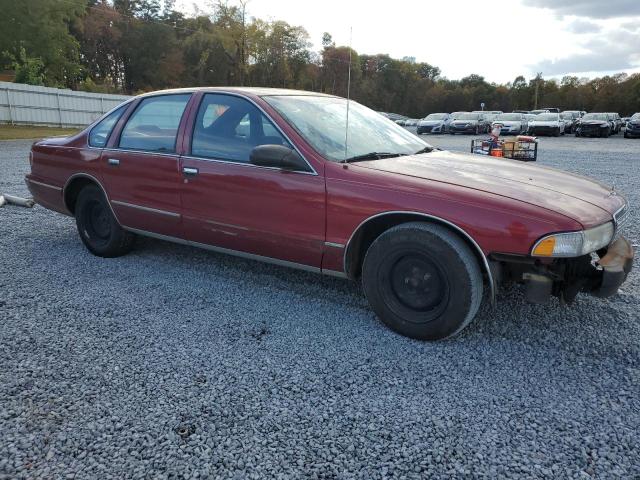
(556, 132)
(422, 281)
(98, 227)
(626, 135)
(477, 131)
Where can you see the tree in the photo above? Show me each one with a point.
(41, 28)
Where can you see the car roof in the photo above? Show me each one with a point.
(257, 91)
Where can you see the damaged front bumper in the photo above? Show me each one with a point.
(599, 274)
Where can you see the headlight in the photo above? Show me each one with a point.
(574, 244)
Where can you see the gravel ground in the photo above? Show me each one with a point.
(174, 362)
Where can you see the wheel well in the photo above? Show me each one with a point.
(373, 228)
(72, 190)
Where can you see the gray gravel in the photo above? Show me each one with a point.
(174, 362)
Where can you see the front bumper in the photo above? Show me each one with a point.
(430, 129)
(600, 274)
(632, 131)
(463, 128)
(543, 130)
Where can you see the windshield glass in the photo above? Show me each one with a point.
(436, 116)
(567, 116)
(468, 116)
(546, 117)
(322, 121)
(509, 117)
(635, 116)
(595, 116)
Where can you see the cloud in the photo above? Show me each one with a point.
(580, 25)
(589, 8)
(615, 51)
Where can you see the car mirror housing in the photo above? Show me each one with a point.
(277, 156)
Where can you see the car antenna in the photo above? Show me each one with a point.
(346, 129)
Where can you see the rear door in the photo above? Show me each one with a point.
(141, 166)
(231, 204)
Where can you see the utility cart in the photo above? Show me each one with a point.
(523, 148)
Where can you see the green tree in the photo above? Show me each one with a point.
(41, 28)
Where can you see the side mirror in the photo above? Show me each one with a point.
(277, 156)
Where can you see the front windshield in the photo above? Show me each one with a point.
(322, 121)
(436, 116)
(546, 117)
(567, 116)
(509, 117)
(595, 116)
(468, 116)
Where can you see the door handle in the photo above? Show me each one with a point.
(190, 171)
(113, 161)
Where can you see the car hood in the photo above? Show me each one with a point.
(508, 123)
(430, 122)
(582, 199)
(464, 122)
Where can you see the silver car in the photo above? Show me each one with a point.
(434, 123)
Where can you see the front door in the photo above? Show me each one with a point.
(231, 204)
(142, 169)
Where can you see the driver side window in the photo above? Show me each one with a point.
(229, 127)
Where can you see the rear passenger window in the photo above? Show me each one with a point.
(229, 127)
(153, 127)
(100, 133)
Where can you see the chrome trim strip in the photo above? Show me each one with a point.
(485, 261)
(246, 164)
(275, 124)
(146, 209)
(236, 253)
(96, 181)
(42, 184)
(334, 273)
(334, 245)
(140, 152)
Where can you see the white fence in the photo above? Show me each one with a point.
(31, 105)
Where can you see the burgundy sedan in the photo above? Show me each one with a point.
(275, 175)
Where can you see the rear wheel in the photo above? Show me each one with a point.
(422, 281)
(556, 132)
(98, 227)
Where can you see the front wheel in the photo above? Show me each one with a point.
(98, 227)
(422, 281)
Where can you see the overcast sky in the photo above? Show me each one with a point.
(517, 37)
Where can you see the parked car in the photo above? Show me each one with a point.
(594, 125)
(616, 122)
(521, 111)
(537, 112)
(546, 124)
(512, 123)
(427, 231)
(433, 123)
(411, 122)
(570, 119)
(552, 110)
(469, 123)
(632, 130)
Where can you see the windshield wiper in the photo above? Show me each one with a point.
(372, 156)
(426, 150)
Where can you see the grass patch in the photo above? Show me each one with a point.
(18, 132)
